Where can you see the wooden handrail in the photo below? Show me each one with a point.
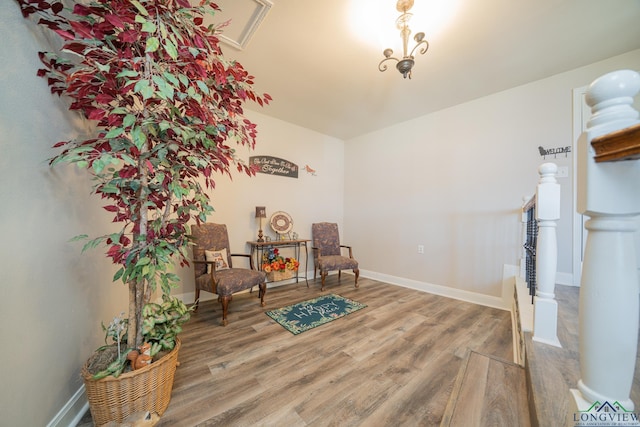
(623, 144)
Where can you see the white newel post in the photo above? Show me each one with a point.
(545, 314)
(609, 193)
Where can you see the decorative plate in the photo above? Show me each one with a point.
(281, 222)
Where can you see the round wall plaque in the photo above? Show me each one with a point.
(281, 222)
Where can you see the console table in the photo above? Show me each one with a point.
(258, 248)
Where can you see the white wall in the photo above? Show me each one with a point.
(453, 181)
(312, 197)
(53, 298)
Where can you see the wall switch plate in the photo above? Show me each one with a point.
(420, 249)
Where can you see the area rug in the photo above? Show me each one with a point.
(308, 314)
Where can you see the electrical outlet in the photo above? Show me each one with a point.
(420, 249)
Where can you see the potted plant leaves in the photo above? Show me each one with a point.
(166, 105)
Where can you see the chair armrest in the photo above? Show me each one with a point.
(211, 263)
(201, 261)
(350, 250)
(251, 264)
(213, 272)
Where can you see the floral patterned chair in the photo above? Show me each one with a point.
(214, 271)
(327, 252)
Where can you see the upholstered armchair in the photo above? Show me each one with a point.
(327, 252)
(213, 268)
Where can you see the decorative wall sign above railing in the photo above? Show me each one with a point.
(555, 151)
(274, 166)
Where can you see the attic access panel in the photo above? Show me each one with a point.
(245, 15)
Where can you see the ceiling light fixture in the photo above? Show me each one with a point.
(405, 64)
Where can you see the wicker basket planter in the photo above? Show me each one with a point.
(275, 275)
(146, 389)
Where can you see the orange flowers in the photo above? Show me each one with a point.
(273, 261)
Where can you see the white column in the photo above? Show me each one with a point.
(545, 314)
(608, 193)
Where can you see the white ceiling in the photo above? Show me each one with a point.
(323, 77)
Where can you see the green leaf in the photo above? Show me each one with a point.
(144, 87)
(127, 73)
(128, 159)
(134, 185)
(91, 244)
(109, 189)
(143, 261)
(139, 138)
(203, 87)
(171, 78)
(98, 165)
(149, 27)
(155, 348)
(114, 133)
(152, 44)
(162, 154)
(170, 48)
(164, 125)
(140, 8)
(164, 88)
(163, 30)
(119, 110)
(128, 120)
(118, 275)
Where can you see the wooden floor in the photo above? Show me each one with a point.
(552, 371)
(393, 363)
(489, 391)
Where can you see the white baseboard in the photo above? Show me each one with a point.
(445, 291)
(72, 412)
(565, 279)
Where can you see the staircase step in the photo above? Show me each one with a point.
(489, 391)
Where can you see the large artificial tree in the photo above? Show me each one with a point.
(166, 106)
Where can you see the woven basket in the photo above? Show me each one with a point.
(145, 389)
(274, 276)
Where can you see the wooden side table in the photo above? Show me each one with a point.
(258, 248)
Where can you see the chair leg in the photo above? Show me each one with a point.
(339, 274)
(225, 300)
(357, 273)
(263, 291)
(323, 274)
(197, 301)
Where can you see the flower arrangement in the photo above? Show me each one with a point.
(273, 261)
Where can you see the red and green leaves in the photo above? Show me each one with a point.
(166, 104)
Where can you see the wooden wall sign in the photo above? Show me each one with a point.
(274, 166)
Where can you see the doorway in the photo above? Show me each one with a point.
(581, 115)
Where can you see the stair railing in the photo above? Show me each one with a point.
(541, 214)
(608, 193)
(545, 310)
